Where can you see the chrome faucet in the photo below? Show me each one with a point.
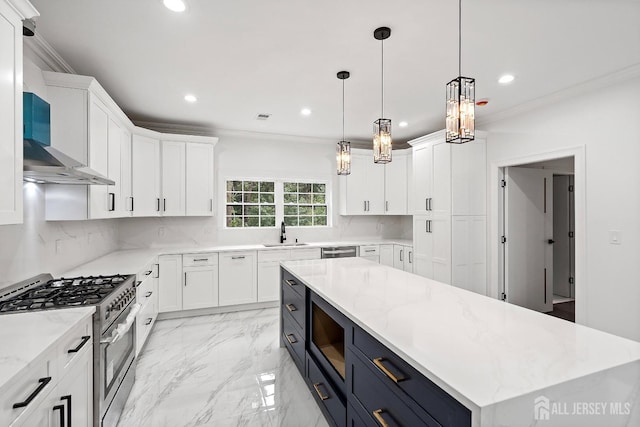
(283, 233)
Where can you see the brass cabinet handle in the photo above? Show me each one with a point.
(290, 282)
(378, 362)
(378, 415)
(320, 395)
(291, 307)
(291, 338)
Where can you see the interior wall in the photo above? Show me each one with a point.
(607, 296)
(255, 156)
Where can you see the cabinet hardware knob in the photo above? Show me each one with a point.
(320, 395)
(396, 379)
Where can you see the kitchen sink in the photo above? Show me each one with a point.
(277, 245)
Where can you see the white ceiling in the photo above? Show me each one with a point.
(244, 57)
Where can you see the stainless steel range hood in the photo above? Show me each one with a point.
(44, 164)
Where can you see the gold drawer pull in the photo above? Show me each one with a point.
(320, 395)
(378, 362)
(291, 307)
(378, 415)
(291, 338)
(290, 282)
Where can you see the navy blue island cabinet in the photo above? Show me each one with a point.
(356, 380)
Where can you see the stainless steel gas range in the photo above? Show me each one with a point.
(113, 329)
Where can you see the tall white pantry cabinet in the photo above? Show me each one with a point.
(12, 12)
(448, 203)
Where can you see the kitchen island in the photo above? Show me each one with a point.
(508, 366)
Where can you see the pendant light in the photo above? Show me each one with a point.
(382, 127)
(460, 126)
(343, 150)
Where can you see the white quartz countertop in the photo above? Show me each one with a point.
(479, 349)
(25, 336)
(133, 260)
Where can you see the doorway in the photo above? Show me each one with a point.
(537, 225)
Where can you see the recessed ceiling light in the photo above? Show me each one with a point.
(507, 78)
(175, 5)
(190, 98)
(305, 111)
(403, 124)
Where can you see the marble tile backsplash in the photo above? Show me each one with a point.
(39, 246)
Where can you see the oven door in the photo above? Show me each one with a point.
(116, 355)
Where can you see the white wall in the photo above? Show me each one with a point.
(254, 155)
(605, 124)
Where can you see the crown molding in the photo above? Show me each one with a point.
(24, 8)
(175, 128)
(47, 54)
(592, 85)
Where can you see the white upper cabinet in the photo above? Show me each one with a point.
(199, 179)
(173, 178)
(395, 185)
(374, 189)
(421, 178)
(145, 174)
(12, 13)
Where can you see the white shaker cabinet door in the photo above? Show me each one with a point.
(200, 288)
(75, 391)
(408, 259)
(145, 164)
(422, 246)
(422, 176)
(395, 186)
(199, 179)
(173, 178)
(398, 256)
(10, 116)
(238, 278)
(99, 157)
(268, 281)
(126, 195)
(386, 255)
(169, 283)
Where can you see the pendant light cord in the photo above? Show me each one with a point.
(460, 38)
(343, 109)
(382, 78)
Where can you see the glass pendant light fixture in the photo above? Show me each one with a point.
(382, 127)
(343, 150)
(460, 124)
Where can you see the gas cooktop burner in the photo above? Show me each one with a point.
(63, 292)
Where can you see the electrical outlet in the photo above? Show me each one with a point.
(59, 245)
(161, 231)
(91, 238)
(615, 237)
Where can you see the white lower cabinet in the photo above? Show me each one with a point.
(238, 278)
(200, 287)
(386, 255)
(370, 252)
(269, 273)
(75, 393)
(468, 253)
(403, 257)
(169, 283)
(147, 297)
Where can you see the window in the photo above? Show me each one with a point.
(305, 204)
(262, 203)
(251, 204)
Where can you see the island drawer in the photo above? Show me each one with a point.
(293, 304)
(325, 393)
(379, 402)
(405, 380)
(292, 282)
(195, 260)
(354, 418)
(293, 338)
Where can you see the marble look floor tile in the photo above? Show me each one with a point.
(219, 370)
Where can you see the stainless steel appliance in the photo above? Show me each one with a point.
(339, 252)
(113, 329)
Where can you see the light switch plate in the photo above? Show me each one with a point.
(615, 237)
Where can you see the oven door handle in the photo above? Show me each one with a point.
(123, 327)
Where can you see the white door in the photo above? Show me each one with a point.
(114, 196)
(269, 281)
(238, 278)
(75, 391)
(125, 174)
(468, 252)
(422, 171)
(169, 283)
(422, 247)
(199, 179)
(200, 288)
(398, 256)
(440, 202)
(529, 228)
(98, 157)
(173, 178)
(145, 172)
(563, 225)
(395, 186)
(408, 259)
(365, 187)
(440, 231)
(386, 255)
